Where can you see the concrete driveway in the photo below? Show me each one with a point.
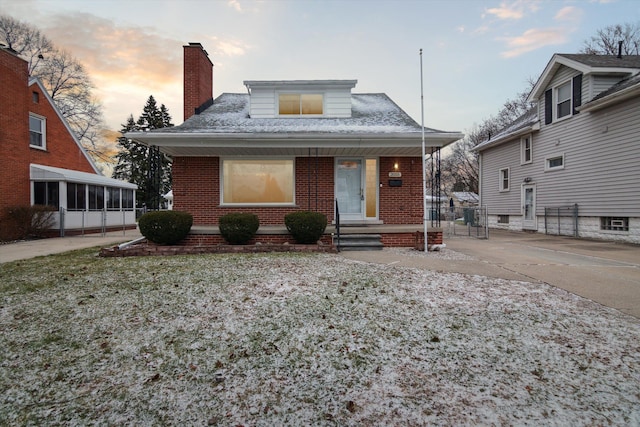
(605, 272)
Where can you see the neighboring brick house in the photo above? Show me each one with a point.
(570, 165)
(42, 162)
(295, 145)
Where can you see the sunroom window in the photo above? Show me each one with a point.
(264, 181)
(297, 104)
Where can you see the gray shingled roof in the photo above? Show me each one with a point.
(525, 121)
(627, 61)
(373, 113)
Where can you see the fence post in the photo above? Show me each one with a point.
(61, 220)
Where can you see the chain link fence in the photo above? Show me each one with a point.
(466, 221)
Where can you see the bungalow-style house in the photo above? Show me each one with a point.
(43, 163)
(295, 145)
(570, 165)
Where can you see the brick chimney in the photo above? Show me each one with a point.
(198, 80)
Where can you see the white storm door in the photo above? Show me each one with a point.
(529, 221)
(349, 189)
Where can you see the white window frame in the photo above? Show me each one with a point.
(557, 102)
(221, 180)
(43, 121)
(501, 186)
(548, 159)
(523, 149)
(301, 93)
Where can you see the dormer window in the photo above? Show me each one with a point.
(297, 104)
(563, 100)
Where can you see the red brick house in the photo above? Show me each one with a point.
(43, 163)
(295, 145)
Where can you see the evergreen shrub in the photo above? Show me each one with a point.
(306, 227)
(238, 228)
(165, 227)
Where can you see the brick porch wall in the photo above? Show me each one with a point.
(196, 186)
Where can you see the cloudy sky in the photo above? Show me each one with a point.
(477, 53)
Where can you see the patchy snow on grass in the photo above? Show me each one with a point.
(295, 339)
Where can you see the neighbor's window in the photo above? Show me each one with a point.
(46, 193)
(37, 133)
(503, 219)
(113, 198)
(96, 198)
(76, 197)
(614, 223)
(526, 154)
(555, 162)
(504, 179)
(300, 104)
(257, 181)
(35, 97)
(563, 100)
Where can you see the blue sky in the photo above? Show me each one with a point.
(476, 54)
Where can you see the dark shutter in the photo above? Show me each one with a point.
(548, 106)
(577, 92)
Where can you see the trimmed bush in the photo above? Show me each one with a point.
(165, 227)
(306, 227)
(238, 228)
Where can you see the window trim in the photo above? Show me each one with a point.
(501, 187)
(523, 150)
(548, 159)
(276, 204)
(300, 113)
(43, 133)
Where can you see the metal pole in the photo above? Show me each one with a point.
(424, 166)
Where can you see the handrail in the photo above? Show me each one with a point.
(338, 225)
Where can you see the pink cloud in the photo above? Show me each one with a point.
(534, 39)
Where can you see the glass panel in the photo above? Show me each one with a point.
(555, 162)
(528, 203)
(258, 181)
(349, 186)
(289, 103)
(35, 124)
(39, 193)
(311, 104)
(371, 193)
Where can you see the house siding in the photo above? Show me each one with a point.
(601, 171)
(264, 101)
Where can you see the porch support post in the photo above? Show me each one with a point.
(424, 166)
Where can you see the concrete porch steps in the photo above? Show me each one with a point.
(359, 242)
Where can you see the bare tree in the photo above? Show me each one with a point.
(606, 41)
(63, 76)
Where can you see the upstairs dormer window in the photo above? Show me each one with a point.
(300, 104)
(563, 100)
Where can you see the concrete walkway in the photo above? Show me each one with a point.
(34, 248)
(605, 272)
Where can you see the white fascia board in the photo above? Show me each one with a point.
(506, 138)
(50, 173)
(299, 84)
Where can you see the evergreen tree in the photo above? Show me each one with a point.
(142, 165)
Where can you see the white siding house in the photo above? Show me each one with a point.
(570, 165)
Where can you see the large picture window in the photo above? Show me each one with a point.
(257, 181)
(300, 104)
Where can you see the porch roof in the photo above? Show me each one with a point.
(376, 127)
(49, 173)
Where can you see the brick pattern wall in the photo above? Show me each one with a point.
(61, 149)
(14, 131)
(198, 78)
(401, 205)
(196, 185)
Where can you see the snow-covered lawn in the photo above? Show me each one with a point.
(291, 339)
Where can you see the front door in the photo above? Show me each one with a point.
(349, 189)
(529, 221)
